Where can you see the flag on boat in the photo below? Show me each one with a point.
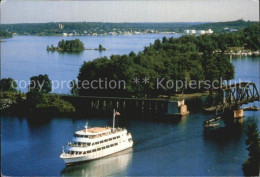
(117, 113)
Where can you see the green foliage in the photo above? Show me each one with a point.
(5, 34)
(37, 101)
(74, 89)
(68, 46)
(33, 97)
(252, 166)
(8, 95)
(219, 26)
(40, 83)
(252, 37)
(185, 58)
(8, 84)
(101, 48)
(51, 103)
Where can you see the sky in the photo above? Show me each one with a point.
(42, 11)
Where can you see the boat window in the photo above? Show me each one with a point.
(98, 149)
(94, 150)
(114, 138)
(111, 145)
(106, 140)
(107, 146)
(88, 152)
(86, 136)
(84, 152)
(101, 141)
(96, 142)
(118, 136)
(92, 144)
(104, 147)
(88, 144)
(110, 139)
(116, 144)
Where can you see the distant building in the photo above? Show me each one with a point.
(201, 32)
(112, 33)
(226, 29)
(192, 31)
(65, 34)
(61, 26)
(186, 31)
(209, 31)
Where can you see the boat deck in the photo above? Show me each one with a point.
(96, 129)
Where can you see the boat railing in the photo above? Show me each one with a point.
(108, 133)
(77, 145)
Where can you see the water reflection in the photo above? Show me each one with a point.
(107, 166)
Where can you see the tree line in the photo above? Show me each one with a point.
(44, 29)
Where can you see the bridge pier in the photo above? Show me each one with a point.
(238, 113)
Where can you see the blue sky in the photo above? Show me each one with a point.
(40, 11)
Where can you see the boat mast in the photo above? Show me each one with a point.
(86, 126)
(114, 115)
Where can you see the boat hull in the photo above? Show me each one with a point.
(97, 154)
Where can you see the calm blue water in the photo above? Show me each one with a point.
(25, 56)
(31, 148)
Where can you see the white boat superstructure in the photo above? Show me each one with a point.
(96, 142)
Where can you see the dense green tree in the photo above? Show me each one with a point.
(252, 166)
(40, 83)
(8, 84)
(5, 34)
(101, 48)
(68, 46)
(74, 89)
(53, 103)
(33, 98)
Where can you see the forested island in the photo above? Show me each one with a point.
(186, 58)
(68, 46)
(72, 46)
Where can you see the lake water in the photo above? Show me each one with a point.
(26, 56)
(32, 148)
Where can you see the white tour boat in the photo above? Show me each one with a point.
(96, 142)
